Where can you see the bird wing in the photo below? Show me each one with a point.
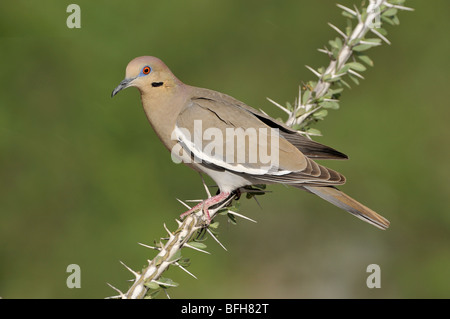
(212, 117)
(308, 147)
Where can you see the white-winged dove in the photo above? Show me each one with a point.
(188, 120)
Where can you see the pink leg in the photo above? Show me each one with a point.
(207, 203)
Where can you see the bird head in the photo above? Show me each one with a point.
(147, 73)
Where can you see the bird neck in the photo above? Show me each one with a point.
(162, 106)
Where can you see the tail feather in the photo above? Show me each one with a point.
(342, 200)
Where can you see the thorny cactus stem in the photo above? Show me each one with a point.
(308, 108)
(170, 253)
(318, 95)
(165, 257)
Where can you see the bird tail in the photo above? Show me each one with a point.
(342, 200)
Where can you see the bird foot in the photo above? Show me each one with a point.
(206, 204)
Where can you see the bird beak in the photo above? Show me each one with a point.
(123, 85)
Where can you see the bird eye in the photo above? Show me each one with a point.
(146, 70)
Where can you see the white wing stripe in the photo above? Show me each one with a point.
(200, 155)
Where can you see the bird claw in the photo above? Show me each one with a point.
(205, 205)
(197, 207)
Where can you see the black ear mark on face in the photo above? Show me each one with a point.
(157, 84)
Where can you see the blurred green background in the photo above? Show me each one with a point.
(83, 177)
